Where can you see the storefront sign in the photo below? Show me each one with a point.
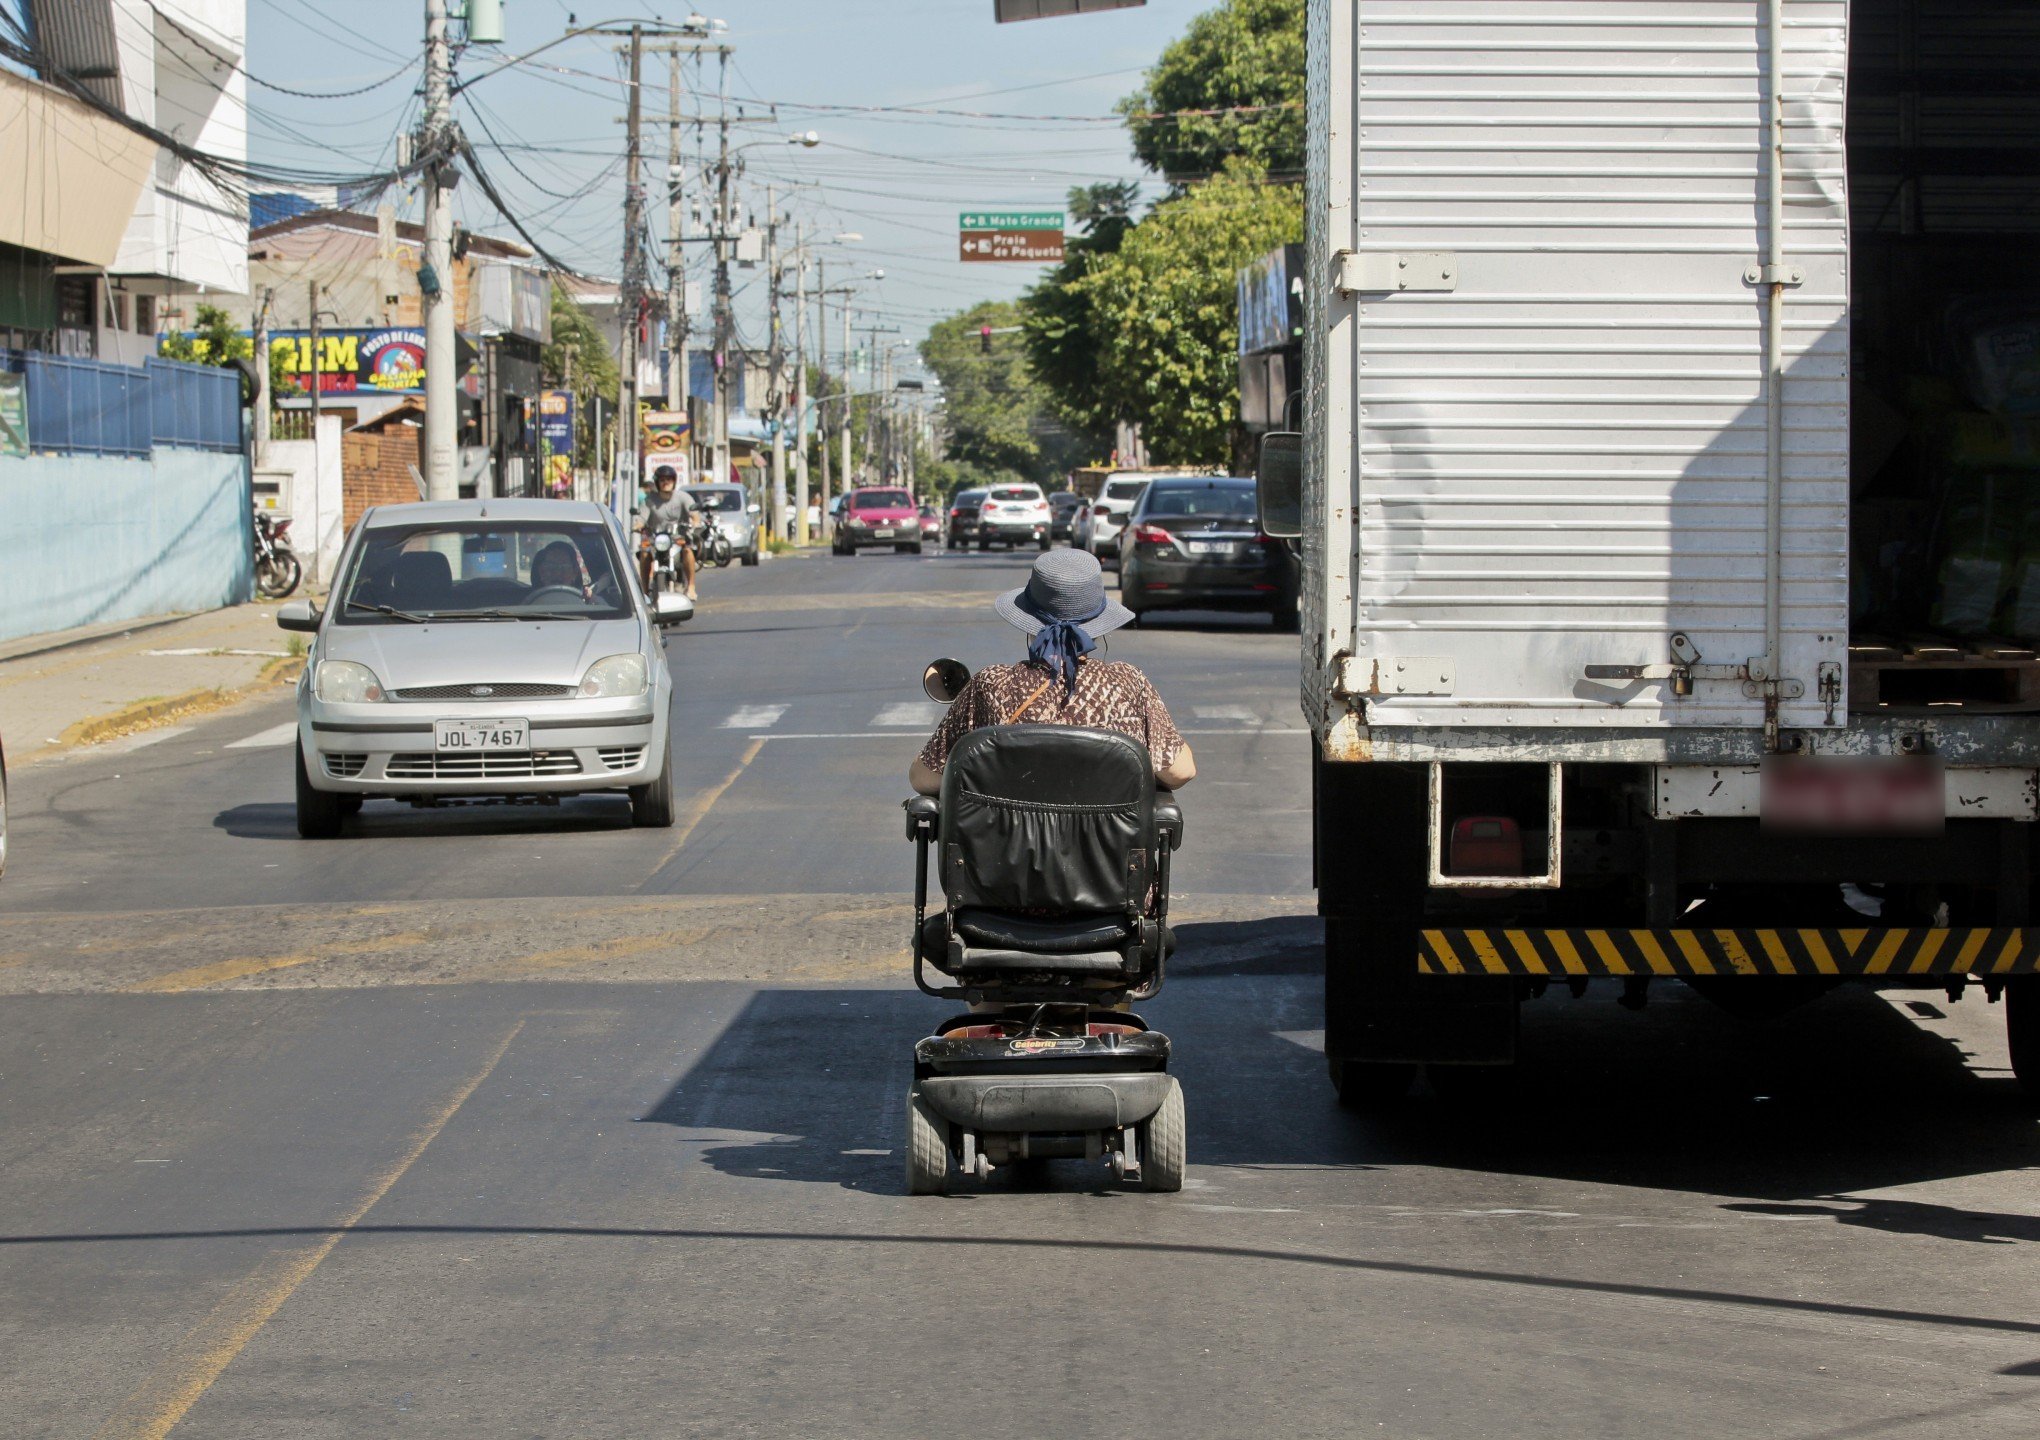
(370, 362)
(556, 438)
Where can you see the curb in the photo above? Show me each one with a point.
(147, 714)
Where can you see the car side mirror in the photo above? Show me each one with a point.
(944, 680)
(670, 607)
(1278, 484)
(298, 615)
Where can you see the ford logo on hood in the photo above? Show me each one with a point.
(481, 692)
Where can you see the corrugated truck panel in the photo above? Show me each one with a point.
(1561, 457)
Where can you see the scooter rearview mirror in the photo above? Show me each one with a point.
(944, 680)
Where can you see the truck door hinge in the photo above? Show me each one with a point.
(1773, 275)
(1378, 272)
(1829, 684)
(1682, 669)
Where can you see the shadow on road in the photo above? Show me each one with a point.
(397, 820)
(1792, 1116)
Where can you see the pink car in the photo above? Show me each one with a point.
(879, 517)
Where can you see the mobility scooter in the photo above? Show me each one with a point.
(1053, 845)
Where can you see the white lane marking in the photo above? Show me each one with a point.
(918, 713)
(755, 717)
(275, 735)
(1239, 713)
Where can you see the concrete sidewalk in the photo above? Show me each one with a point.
(82, 687)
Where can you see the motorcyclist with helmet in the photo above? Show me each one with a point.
(673, 510)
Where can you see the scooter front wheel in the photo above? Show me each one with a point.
(927, 1148)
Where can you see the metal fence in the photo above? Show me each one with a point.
(88, 407)
(194, 407)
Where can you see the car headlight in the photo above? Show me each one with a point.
(853, 523)
(345, 682)
(614, 678)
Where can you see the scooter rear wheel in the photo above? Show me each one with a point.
(927, 1148)
(1164, 1140)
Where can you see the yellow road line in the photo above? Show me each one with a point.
(221, 971)
(206, 1350)
(699, 811)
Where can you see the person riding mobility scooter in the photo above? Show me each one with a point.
(1053, 844)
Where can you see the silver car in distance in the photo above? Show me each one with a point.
(483, 648)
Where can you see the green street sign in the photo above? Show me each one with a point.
(1011, 220)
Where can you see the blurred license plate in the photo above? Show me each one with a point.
(1210, 547)
(884, 532)
(473, 735)
(1854, 797)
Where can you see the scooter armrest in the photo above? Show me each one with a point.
(921, 812)
(1169, 819)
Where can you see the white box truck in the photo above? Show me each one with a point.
(1650, 348)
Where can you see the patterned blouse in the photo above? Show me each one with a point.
(1110, 695)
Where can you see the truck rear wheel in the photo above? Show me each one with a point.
(2022, 1029)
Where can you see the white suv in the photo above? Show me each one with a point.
(1014, 515)
(1100, 521)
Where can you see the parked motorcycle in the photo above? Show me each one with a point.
(277, 571)
(711, 545)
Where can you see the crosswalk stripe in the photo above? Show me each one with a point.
(1239, 713)
(917, 713)
(755, 717)
(275, 735)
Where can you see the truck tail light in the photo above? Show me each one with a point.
(1486, 845)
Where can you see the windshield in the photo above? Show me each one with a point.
(1219, 502)
(1124, 489)
(970, 497)
(881, 500)
(718, 499)
(1016, 492)
(481, 570)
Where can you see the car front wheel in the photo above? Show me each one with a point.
(651, 806)
(318, 812)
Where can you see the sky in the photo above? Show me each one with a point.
(1039, 97)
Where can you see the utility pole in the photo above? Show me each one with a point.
(317, 479)
(623, 493)
(676, 256)
(435, 281)
(847, 471)
(774, 410)
(722, 272)
(822, 375)
(263, 399)
(800, 470)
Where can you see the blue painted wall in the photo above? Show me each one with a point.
(85, 539)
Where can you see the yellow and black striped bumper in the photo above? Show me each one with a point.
(1563, 953)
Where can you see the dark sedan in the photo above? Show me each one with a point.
(1194, 543)
(963, 518)
(1063, 508)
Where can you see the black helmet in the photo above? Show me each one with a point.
(664, 473)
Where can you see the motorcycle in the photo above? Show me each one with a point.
(277, 571)
(665, 563)
(711, 545)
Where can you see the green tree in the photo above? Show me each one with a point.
(1165, 312)
(218, 341)
(999, 414)
(1059, 328)
(1246, 58)
(578, 349)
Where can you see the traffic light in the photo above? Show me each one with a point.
(985, 339)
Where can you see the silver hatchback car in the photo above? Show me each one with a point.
(483, 648)
(737, 519)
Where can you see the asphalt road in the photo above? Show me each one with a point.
(514, 1121)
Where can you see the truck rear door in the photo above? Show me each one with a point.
(1545, 230)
